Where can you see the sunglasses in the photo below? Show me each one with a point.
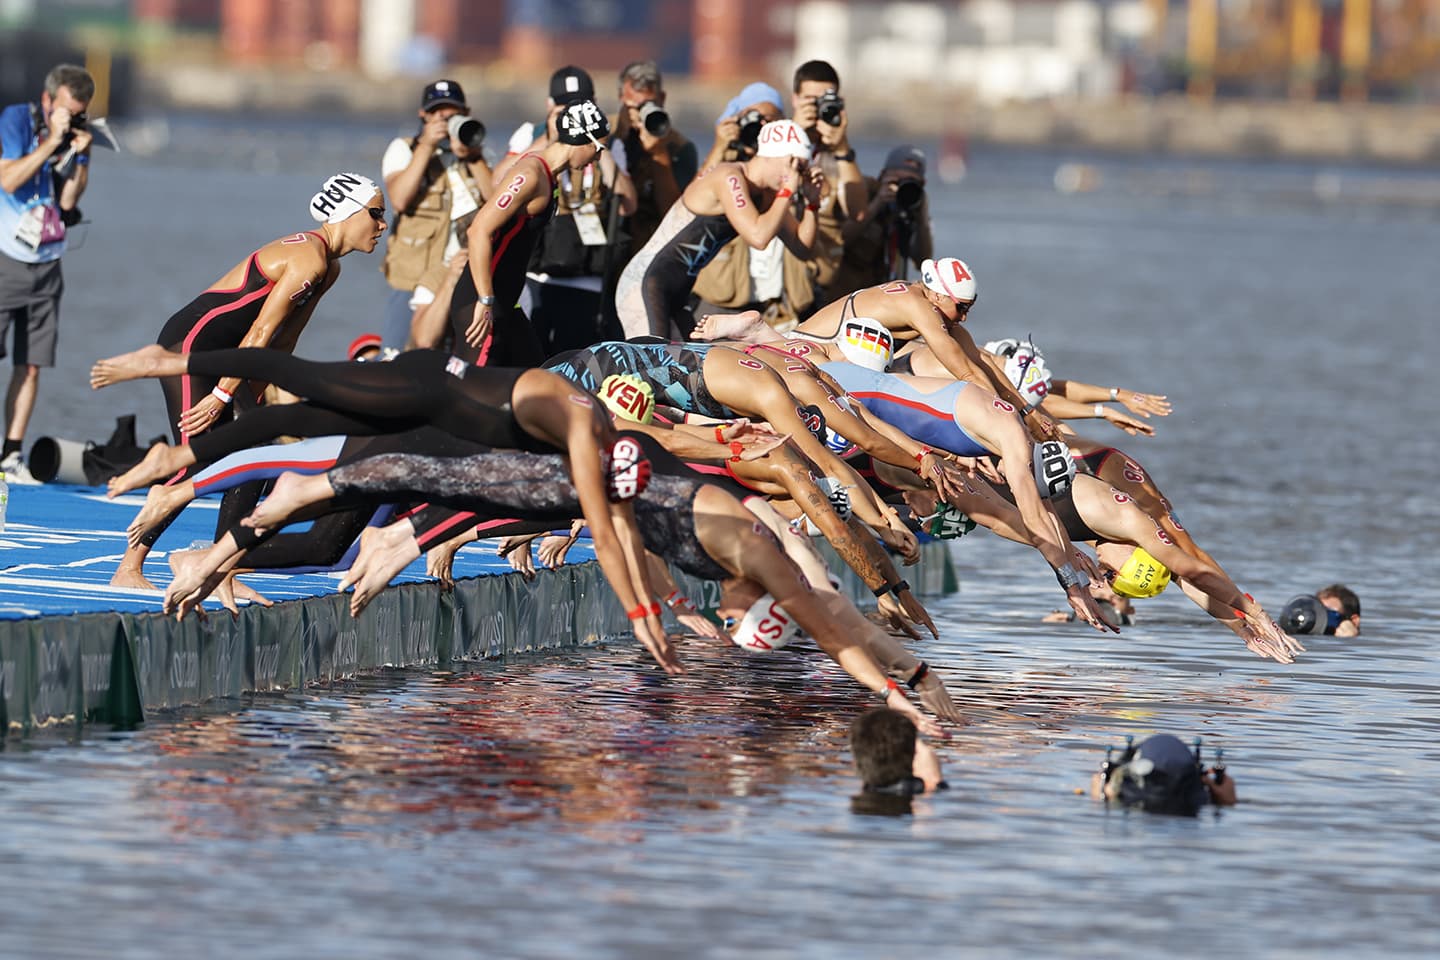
(376, 213)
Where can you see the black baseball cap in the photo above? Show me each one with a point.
(442, 92)
(571, 84)
(907, 158)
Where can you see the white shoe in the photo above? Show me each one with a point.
(16, 473)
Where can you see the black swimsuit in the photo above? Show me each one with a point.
(512, 342)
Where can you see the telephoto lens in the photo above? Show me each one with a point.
(656, 120)
(467, 130)
(909, 195)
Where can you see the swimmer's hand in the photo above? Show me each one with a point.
(481, 323)
(1144, 404)
(1041, 427)
(202, 416)
(899, 539)
(936, 698)
(1088, 610)
(896, 701)
(652, 635)
(701, 625)
(905, 610)
(1271, 641)
(1129, 424)
(890, 609)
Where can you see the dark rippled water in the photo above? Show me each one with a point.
(582, 805)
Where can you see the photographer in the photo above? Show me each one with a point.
(580, 250)
(44, 169)
(738, 128)
(819, 109)
(771, 279)
(660, 161)
(892, 230)
(435, 181)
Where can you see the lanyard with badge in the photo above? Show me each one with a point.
(40, 223)
(587, 215)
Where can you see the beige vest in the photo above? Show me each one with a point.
(418, 240)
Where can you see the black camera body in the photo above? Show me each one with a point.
(830, 107)
(750, 123)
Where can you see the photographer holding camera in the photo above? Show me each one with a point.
(44, 169)
(435, 182)
(737, 132)
(660, 161)
(819, 109)
(893, 229)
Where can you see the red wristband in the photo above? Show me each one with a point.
(784, 194)
(654, 608)
(813, 207)
(719, 433)
(638, 613)
(890, 685)
(736, 448)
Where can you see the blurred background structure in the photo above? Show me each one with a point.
(1108, 73)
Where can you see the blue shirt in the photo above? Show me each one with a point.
(19, 137)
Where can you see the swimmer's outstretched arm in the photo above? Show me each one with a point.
(1062, 408)
(1143, 404)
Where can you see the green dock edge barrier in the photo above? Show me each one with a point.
(114, 668)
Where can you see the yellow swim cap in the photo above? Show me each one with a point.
(1141, 576)
(628, 397)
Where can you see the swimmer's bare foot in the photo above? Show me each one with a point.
(384, 552)
(743, 326)
(242, 591)
(161, 461)
(129, 574)
(151, 361)
(160, 502)
(291, 492)
(192, 583)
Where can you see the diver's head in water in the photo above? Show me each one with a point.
(1162, 775)
(1131, 571)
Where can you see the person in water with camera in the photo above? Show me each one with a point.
(435, 180)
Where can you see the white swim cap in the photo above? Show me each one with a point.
(1054, 468)
(951, 278)
(866, 343)
(342, 196)
(1027, 372)
(784, 138)
(766, 626)
(1002, 348)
